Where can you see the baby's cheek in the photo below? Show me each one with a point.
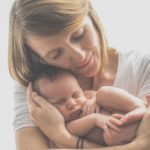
(82, 101)
(64, 112)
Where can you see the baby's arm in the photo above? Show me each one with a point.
(82, 126)
(115, 99)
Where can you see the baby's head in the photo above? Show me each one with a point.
(60, 88)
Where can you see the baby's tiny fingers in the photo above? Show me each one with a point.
(89, 110)
(124, 120)
(115, 121)
(117, 116)
(84, 110)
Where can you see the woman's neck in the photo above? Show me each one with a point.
(107, 76)
(103, 78)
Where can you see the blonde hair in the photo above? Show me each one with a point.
(43, 18)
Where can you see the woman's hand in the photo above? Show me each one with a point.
(44, 115)
(143, 133)
(106, 123)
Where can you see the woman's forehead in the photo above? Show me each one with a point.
(47, 43)
(86, 21)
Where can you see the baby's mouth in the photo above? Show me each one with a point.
(76, 114)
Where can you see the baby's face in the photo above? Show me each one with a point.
(65, 94)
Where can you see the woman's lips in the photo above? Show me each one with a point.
(85, 63)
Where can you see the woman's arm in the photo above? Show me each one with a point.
(26, 134)
(141, 142)
(31, 138)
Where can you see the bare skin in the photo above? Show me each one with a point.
(139, 143)
(56, 138)
(74, 54)
(23, 134)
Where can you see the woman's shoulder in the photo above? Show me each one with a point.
(18, 87)
(21, 115)
(134, 57)
(133, 69)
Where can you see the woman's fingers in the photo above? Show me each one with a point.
(33, 107)
(106, 130)
(148, 99)
(39, 100)
(113, 126)
(30, 101)
(29, 94)
(145, 123)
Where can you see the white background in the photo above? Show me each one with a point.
(127, 26)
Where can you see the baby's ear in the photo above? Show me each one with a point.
(148, 99)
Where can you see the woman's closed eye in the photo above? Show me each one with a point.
(56, 53)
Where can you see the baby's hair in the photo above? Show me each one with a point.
(50, 73)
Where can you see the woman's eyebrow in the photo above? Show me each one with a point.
(82, 26)
(54, 49)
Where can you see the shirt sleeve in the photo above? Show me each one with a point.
(143, 75)
(21, 115)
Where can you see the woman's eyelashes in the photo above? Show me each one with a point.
(56, 53)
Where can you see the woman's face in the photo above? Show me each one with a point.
(78, 50)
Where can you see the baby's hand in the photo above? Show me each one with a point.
(107, 122)
(132, 116)
(90, 106)
(118, 116)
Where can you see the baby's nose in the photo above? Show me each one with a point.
(71, 103)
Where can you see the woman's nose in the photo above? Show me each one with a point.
(76, 53)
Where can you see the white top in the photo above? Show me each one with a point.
(133, 75)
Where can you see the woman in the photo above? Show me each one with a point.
(67, 34)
